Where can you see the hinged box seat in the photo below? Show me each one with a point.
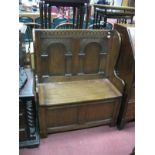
(61, 93)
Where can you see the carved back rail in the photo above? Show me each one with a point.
(75, 53)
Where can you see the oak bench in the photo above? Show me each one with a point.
(77, 83)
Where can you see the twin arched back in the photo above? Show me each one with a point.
(75, 52)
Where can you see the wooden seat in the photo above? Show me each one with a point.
(58, 93)
(77, 83)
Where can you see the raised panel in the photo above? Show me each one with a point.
(61, 116)
(91, 59)
(99, 111)
(56, 59)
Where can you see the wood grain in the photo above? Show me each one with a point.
(76, 91)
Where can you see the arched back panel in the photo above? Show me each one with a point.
(75, 52)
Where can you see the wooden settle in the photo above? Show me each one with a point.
(77, 84)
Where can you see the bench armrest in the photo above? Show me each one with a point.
(119, 83)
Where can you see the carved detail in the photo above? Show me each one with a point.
(74, 34)
(30, 118)
(46, 43)
(73, 52)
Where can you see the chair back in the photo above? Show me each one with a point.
(108, 26)
(38, 20)
(58, 20)
(65, 26)
(25, 19)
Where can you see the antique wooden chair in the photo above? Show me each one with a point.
(77, 83)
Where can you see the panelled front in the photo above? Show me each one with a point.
(100, 111)
(60, 116)
(80, 115)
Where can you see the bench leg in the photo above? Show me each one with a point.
(121, 124)
(115, 114)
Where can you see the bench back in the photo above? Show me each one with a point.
(74, 54)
